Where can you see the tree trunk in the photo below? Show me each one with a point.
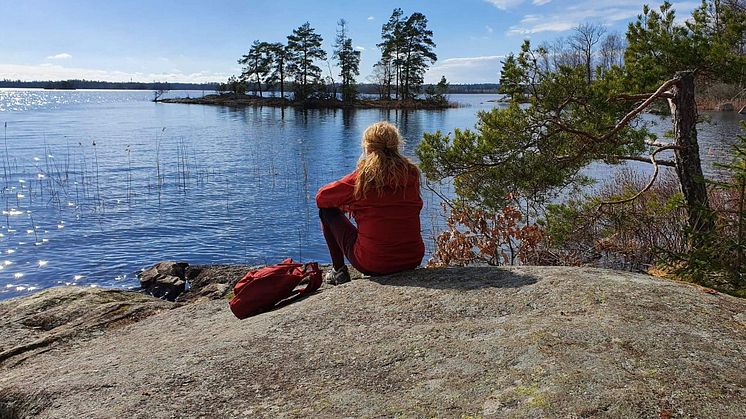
(259, 84)
(305, 74)
(282, 80)
(408, 69)
(397, 63)
(688, 165)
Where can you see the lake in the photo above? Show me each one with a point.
(100, 184)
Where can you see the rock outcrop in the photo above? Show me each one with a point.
(169, 280)
(462, 342)
(63, 314)
(164, 280)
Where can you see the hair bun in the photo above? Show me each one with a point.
(382, 136)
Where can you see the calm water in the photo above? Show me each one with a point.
(99, 184)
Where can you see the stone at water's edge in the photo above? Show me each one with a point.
(480, 342)
(725, 107)
(164, 280)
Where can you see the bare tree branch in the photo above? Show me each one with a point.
(643, 96)
(623, 123)
(647, 187)
(656, 144)
(440, 195)
(646, 159)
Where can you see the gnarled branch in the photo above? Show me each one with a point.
(644, 96)
(646, 159)
(647, 187)
(663, 89)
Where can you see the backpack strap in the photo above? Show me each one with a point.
(312, 270)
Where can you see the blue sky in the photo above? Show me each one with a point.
(197, 41)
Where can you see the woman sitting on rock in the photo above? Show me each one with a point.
(383, 196)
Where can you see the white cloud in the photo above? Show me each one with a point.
(481, 69)
(468, 61)
(48, 71)
(606, 12)
(488, 28)
(504, 4)
(550, 26)
(60, 56)
(371, 18)
(359, 48)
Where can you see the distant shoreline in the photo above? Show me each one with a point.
(113, 89)
(245, 100)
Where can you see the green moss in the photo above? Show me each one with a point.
(740, 293)
(539, 401)
(526, 391)
(535, 400)
(121, 309)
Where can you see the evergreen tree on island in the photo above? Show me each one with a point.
(437, 93)
(391, 45)
(407, 44)
(304, 48)
(278, 58)
(257, 64)
(417, 54)
(348, 60)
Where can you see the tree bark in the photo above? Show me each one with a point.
(282, 79)
(688, 165)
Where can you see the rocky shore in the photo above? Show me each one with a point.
(247, 100)
(459, 342)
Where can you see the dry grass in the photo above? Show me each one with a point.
(711, 104)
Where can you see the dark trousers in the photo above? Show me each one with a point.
(340, 235)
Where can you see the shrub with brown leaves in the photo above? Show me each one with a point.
(476, 236)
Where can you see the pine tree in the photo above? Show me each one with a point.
(408, 46)
(348, 60)
(304, 48)
(417, 54)
(391, 46)
(511, 79)
(256, 65)
(437, 93)
(279, 57)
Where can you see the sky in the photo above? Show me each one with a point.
(200, 41)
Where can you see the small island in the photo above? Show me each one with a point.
(238, 100)
(407, 51)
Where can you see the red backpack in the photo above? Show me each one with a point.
(260, 290)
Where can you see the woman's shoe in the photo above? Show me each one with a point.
(337, 277)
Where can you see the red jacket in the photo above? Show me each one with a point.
(388, 225)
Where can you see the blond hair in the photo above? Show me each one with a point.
(382, 165)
